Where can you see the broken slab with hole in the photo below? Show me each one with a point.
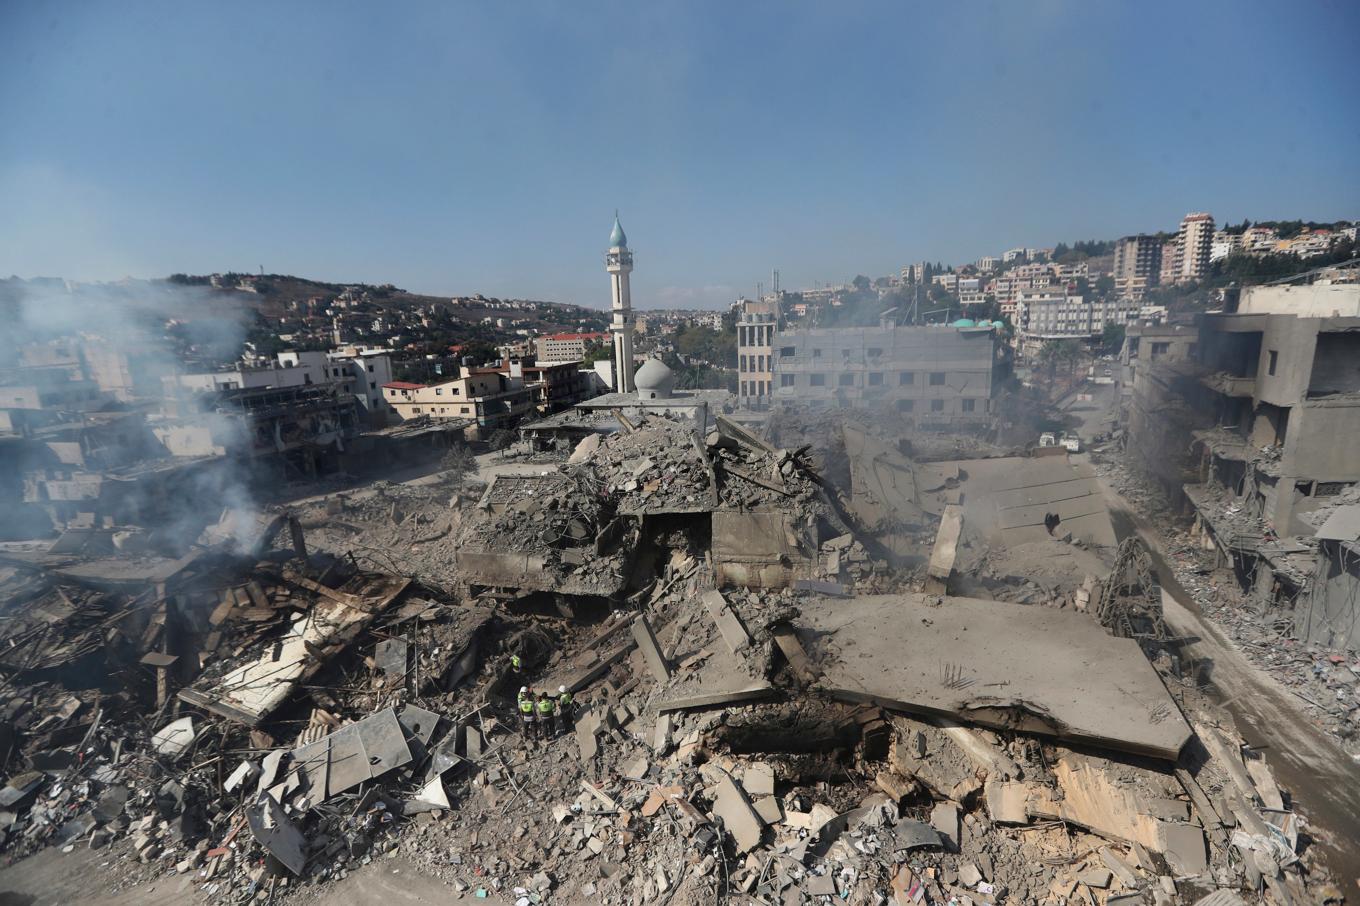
(990, 663)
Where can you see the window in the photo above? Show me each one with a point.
(465, 410)
(760, 388)
(370, 369)
(760, 363)
(816, 353)
(875, 379)
(745, 388)
(439, 391)
(937, 379)
(372, 385)
(968, 405)
(937, 405)
(874, 353)
(906, 378)
(1160, 349)
(742, 365)
(786, 352)
(817, 380)
(845, 355)
(906, 405)
(786, 380)
(847, 379)
(1274, 360)
(415, 410)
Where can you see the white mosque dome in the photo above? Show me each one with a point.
(654, 381)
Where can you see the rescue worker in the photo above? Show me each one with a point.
(516, 665)
(564, 708)
(545, 715)
(526, 712)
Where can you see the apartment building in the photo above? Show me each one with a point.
(1137, 264)
(1051, 314)
(487, 399)
(1271, 404)
(757, 322)
(552, 386)
(936, 375)
(566, 347)
(1195, 242)
(1224, 244)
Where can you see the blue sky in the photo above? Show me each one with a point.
(483, 147)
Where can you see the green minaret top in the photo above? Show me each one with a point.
(617, 240)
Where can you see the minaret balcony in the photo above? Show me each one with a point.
(622, 258)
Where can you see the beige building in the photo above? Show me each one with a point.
(756, 326)
(1195, 241)
(1137, 264)
(566, 347)
(491, 399)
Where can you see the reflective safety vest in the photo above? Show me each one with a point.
(545, 706)
(564, 699)
(526, 706)
(514, 661)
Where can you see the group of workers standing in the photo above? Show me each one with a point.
(542, 714)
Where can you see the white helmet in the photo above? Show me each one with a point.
(561, 688)
(523, 689)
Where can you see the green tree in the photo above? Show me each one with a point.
(1112, 338)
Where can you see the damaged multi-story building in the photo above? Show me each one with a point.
(934, 376)
(1254, 414)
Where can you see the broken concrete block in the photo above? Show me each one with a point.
(729, 625)
(820, 885)
(769, 810)
(739, 817)
(1095, 877)
(651, 651)
(661, 734)
(944, 817)
(969, 875)
(758, 781)
(1006, 801)
(637, 769)
(894, 785)
(1184, 849)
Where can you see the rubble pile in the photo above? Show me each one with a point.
(739, 719)
(1325, 681)
(655, 466)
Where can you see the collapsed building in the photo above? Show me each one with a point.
(844, 667)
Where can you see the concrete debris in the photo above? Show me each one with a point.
(761, 663)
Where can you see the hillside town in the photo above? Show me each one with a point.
(1028, 580)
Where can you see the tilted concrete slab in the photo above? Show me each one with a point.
(1033, 669)
(729, 624)
(1006, 499)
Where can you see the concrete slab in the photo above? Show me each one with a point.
(1033, 669)
(738, 815)
(733, 632)
(946, 550)
(651, 651)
